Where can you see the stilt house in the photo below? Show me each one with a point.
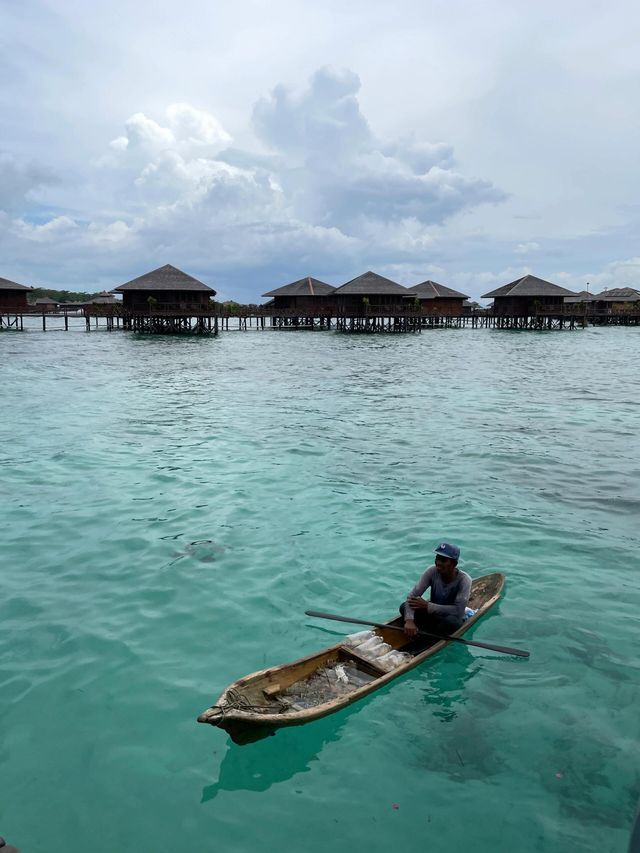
(46, 304)
(13, 296)
(527, 296)
(618, 299)
(438, 300)
(166, 290)
(306, 294)
(583, 297)
(370, 291)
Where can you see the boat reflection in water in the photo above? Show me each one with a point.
(278, 758)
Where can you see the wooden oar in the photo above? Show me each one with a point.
(505, 650)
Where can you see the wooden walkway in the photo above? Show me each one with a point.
(156, 321)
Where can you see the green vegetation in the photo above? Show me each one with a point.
(60, 295)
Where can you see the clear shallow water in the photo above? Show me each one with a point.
(171, 508)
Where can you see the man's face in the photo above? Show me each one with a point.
(444, 565)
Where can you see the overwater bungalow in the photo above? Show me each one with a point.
(370, 291)
(13, 296)
(306, 294)
(46, 304)
(618, 299)
(105, 297)
(469, 307)
(583, 297)
(437, 299)
(166, 290)
(527, 297)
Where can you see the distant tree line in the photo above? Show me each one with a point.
(60, 295)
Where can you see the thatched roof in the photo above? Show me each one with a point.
(529, 285)
(46, 300)
(303, 287)
(371, 282)
(5, 284)
(619, 294)
(469, 304)
(104, 299)
(167, 277)
(432, 290)
(582, 296)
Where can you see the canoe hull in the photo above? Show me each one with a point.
(239, 709)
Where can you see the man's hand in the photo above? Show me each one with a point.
(410, 628)
(418, 603)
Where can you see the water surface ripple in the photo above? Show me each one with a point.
(171, 507)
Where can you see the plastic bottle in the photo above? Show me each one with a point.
(392, 660)
(354, 640)
(371, 644)
(381, 649)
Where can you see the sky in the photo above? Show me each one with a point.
(254, 143)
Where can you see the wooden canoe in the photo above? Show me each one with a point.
(256, 705)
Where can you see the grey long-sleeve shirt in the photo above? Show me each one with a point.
(446, 599)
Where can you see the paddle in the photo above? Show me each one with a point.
(506, 650)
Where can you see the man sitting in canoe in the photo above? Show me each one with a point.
(450, 590)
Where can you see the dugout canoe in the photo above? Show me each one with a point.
(257, 704)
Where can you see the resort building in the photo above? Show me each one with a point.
(583, 297)
(105, 297)
(617, 299)
(13, 296)
(528, 296)
(46, 304)
(166, 290)
(370, 290)
(303, 295)
(437, 299)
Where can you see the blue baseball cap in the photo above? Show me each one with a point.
(446, 549)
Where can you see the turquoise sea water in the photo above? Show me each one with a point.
(172, 506)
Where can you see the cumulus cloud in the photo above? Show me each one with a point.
(323, 186)
(326, 169)
(186, 127)
(322, 121)
(335, 170)
(56, 229)
(111, 234)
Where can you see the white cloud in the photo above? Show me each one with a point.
(328, 188)
(336, 171)
(334, 174)
(114, 233)
(144, 134)
(527, 248)
(197, 127)
(621, 273)
(186, 129)
(58, 228)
